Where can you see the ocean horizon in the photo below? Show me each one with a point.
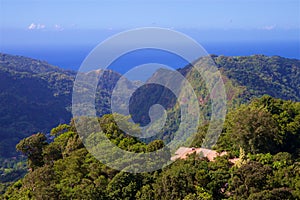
(70, 57)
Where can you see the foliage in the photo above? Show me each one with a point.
(68, 171)
(37, 96)
(263, 75)
(32, 147)
(266, 125)
(266, 177)
(267, 131)
(11, 171)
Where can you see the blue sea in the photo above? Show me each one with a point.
(71, 57)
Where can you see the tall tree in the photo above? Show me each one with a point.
(32, 147)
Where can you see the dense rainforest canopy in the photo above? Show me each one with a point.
(265, 138)
(261, 132)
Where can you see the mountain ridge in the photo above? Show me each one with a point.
(47, 90)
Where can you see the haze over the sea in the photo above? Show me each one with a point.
(64, 32)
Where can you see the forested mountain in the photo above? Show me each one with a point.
(267, 136)
(36, 97)
(276, 76)
(246, 77)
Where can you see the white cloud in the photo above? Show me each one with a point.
(269, 27)
(41, 26)
(58, 27)
(31, 26)
(35, 26)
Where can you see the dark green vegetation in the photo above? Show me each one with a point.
(36, 96)
(246, 77)
(266, 125)
(276, 76)
(11, 170)
(266, 138)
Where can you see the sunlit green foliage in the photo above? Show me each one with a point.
(69, 171)
(267, 130)
(266, 125)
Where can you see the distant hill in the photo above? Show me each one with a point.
(244, 77)
(35, 96)
(276, 76)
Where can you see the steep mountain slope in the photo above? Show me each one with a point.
(246, 77)
(276, 76)
(243, 77)
(64, 169)
(36, 96)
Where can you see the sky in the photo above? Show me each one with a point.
(112, 14)
(87, 22)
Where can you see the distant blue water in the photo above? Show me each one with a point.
(287, 49)
(71, 57)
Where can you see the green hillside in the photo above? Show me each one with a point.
(63, 169)
(35, 97)
(275, 76)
